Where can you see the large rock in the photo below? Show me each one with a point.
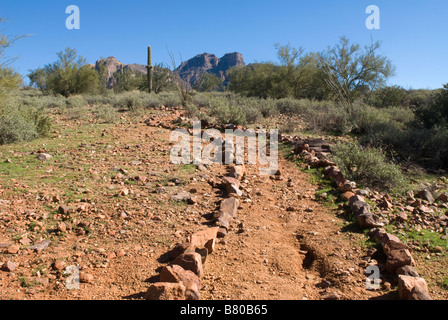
(369, 220)
(391, 242)
(166, 291)
(407, 271)
(237, 171)
(360, 207)
(228, 206)
(412, 288)
(200, 238)
(443, 197)
(231, 185)
(9, 266)
(177, 274)
(399, 258)
(426, 195)
(190, 261)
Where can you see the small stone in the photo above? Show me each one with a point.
(40, 246)
(85, 277)
(59, 265)
(192, 291)
(222, 232)
(13, 249)
(44, 156)
(9, 266)
(61, 227)
(65, 210)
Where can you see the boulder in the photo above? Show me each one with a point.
(237, 171)
(369, 220)
(426, 195)
(9, 266)
(190, 261)
(200, 238)
(229, 206)
(399, 258)
(165, 291)
(360, 207)
(177, 274)
(412, 288)
(407, 271)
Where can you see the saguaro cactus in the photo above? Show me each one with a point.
(150, 70)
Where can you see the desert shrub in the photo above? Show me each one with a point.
(15, 128)
(107, 113)
(226, 112)
(291, 106)
(170, 99)
(267, 107)
(76, 101)
(150, 100)
(368, 166)
(22, 122)
(129, 100)
(393, 96)
(435, 113)
(202, 100)
(69, 75)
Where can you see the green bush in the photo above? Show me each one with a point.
(107, 113)
(15, 128)
(76, 101)
(368, 166)
(226, 112)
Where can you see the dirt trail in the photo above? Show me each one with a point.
(291, 247)
(282, 245)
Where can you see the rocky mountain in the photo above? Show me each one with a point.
(189, 70)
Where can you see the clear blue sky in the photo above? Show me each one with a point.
(413, 32)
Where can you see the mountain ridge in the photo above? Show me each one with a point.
(188, 70)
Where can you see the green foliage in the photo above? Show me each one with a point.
(76, 101)
(298, 75)
(22, 122)
(393, 96)
(208, 82)
(435, 113)
(9, 79)
(350, 70)
(69, 75)
(107, 113)
(368, 166)
(162, 79)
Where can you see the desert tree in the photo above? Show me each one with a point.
(69, 75)
(350, 69)
(208, 82)
(9, 79)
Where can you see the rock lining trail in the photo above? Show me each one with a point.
(281, 244)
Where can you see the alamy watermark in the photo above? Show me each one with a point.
(73, 21)
(373, 281)
(226, 150)
(373, 20)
